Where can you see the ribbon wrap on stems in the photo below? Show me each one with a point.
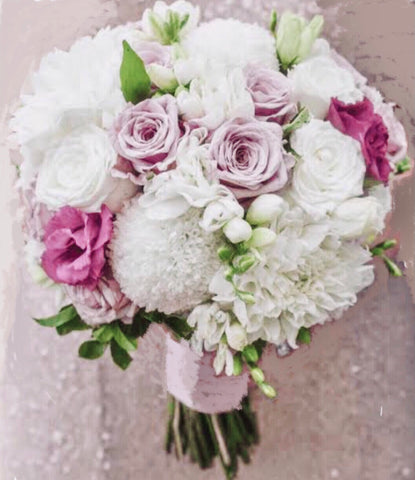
(192, 380)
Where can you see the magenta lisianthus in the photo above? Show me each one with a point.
(75, 246)
(359, 121)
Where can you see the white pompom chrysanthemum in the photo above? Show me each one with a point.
(164, 265)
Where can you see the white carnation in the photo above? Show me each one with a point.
(164, 265)
(305, 278)
(318, 79)
(331, 168)
(229, 43)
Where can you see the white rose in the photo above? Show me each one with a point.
(76, 170)
(359, 218)
(216, 98)
(331, 168)
(163, 22)
(317, 80)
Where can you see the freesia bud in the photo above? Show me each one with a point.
(265, 209)
(237, 230)
(268, 390)
(244, 263)
(162, 77)
(257, 375)
(262, 237)
(295, 37)
(236, 336)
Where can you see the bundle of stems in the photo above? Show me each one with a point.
(203, 437)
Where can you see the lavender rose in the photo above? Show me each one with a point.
(147, 134)
(250, 158)
(271, 93)
(153, 52)
(104, 304)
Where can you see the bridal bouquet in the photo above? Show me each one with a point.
(224, 181)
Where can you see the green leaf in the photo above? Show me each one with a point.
(302, 117)
(139, 326)
(120, 357)
(126, 342)
(76, 324)
(67, 314)
(104, 334)
(135, 82)
(273, 22)
(179, 326)
(304, 336)
(403, 166)
(92, 350)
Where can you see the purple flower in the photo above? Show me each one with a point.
(75, 246)
(250, 157)
(153, 52)
(104, 304)
(147, 134)
(271, 93)
(359, 121)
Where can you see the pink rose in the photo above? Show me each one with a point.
(147, 134)
(271, 93)
(75, 246)
(360, 121)
(250, 157)
(153, 52)
(104, 304)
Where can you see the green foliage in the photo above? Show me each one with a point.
(304, 336)
(135, 82)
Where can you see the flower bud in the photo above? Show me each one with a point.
(237, 230)
(162, 77)
(268, 390)
(264, 209)
(250, 354)
(246, 297)
(237, 365)
(236, 336)
(257, 375)
(225, 253)
(295, 37)
(262, 237)
(244, 263)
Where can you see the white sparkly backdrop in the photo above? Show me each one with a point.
(346, 405)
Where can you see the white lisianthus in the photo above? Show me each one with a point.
(317, 80)
(265, 209)
(170, 23)
(331, 168)
(76, 170)
(216, 97)
(362, 217)
(237, 230)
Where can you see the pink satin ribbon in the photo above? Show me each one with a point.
(192, 380)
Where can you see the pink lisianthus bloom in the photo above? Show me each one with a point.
(147, 134)
(75, 246)
(104, 304)
(250, 158)
(359, 121)
(271, 93)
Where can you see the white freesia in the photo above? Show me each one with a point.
(306, 277)
(221, 211)
(76, 170)
(361, 217)
(262, 237)
(33, 251)
(236, 336)
(163, 77)
(216, 97)
(264, 209)
(237, 230)
(223, 360)
(317, 80)
(210, 323)
(164, 22)
(229, 43)
(331, 168)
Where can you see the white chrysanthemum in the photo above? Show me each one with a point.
(85, 77)
(164, 265)
(305, 278)
(231, 43)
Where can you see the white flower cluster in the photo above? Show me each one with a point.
(237, 181)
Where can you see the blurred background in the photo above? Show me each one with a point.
(346, 407)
